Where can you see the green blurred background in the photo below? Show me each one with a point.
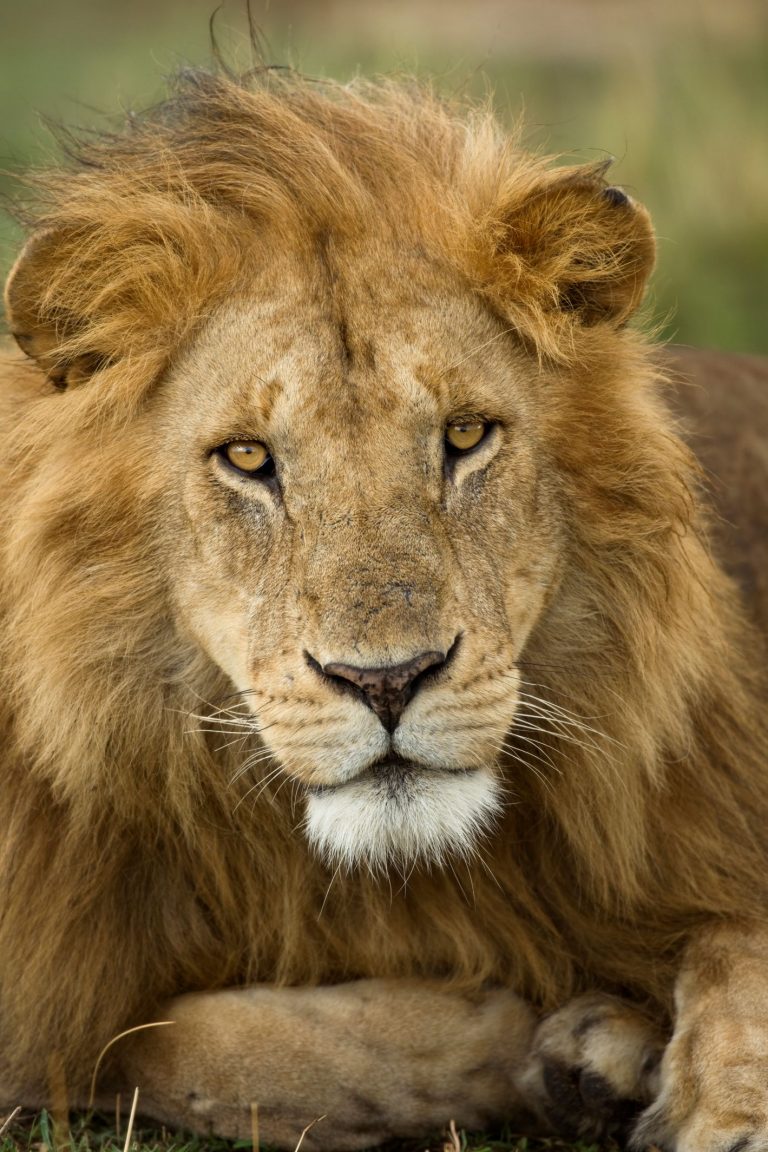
(676, 90)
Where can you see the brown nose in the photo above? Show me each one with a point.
(386, 690)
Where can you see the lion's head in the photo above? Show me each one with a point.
(348, 378)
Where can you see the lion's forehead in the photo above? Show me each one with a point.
(321, 349)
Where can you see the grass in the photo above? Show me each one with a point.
(98, 1134)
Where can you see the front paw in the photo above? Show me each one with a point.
(732, 1130)
(593, 1067)
(723, 1111)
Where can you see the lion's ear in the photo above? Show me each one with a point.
(42, 328)
(581, 245)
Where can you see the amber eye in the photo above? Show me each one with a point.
(249, 456)
(463, 435)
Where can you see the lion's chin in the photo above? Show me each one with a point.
(396, 816)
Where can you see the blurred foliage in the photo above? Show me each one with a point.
(682, 106)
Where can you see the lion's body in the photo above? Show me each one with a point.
(140, 585)
(723, 402)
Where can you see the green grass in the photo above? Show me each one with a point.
(99, 1134)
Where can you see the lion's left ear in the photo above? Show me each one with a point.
(579, 245)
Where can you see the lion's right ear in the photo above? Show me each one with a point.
(569, 249)
(42, 328)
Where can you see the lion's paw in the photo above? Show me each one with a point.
(685, 1119)
(703, 1132)
(593, 1067)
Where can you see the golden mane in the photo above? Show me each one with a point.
(108, 784)
(155, 226)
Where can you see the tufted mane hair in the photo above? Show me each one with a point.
(155, 224)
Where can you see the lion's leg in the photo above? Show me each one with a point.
(376, 1058)
(594, 1064)
(714, 1075)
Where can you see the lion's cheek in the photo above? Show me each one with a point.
(216, 617)
(531, 557)
(527, 596)
(229, 591)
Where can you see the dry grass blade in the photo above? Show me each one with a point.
(453, 1143)
(131, 1118)
(255, 1127)
(114, 1040)
(310, 1125)
(59, 1101)
(9, 1120)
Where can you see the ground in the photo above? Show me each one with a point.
(41, 1133)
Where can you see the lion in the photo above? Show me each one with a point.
(379, 721)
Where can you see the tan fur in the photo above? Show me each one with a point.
(341, 272)
(375, 1059)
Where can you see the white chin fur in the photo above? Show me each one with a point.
(428, 816)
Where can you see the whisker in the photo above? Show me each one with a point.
(295, 787)
(288, 779)
(328, 889)
(260, 785)
(531, 768)
(544, 758)
(230, 743)
(558, 692)
(523, 723)
(479, 856)
(221, 732)
(459, 884)
(404, 887)
(557, 709)
(478, 348)
(238, 721)
(251, 762)
(209, 704)
(599, 755)
(250, 722)
(558, 716)
(234, 695)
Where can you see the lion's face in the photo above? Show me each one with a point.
(370, 587)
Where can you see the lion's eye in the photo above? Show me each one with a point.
(249, 456)
(462, 435)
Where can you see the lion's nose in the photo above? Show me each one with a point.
(386, 690)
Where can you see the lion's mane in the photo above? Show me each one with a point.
(128, 872)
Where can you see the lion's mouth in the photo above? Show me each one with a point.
(392, 773)
(397, 812)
